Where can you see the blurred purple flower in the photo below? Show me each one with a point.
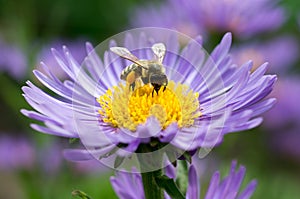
(233, 108)
(286, 143)
(129, 185)
(282, 122)
(77, 49)
(243, 18)
(168, 15)
(51, 160)
(91, 167)
(275, 52)
(16, 153)
(50, 157)
(12, 60)
(286, 112)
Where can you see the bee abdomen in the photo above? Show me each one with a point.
(129, 69)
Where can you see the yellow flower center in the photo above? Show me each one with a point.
(121, 107)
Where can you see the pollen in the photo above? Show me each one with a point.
(121, 107)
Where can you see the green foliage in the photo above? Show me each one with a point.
(80, 194)
(169, 186)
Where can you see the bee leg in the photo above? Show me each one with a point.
(164, 88)
(132, 86)
(156, 88)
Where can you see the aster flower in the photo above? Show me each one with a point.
(275, 52)
(90, 167)
(205, 99)
(169, 15)
(129, 185)
(50, 157)
(16, 153)
(285, 144)
(282, 122)
(12, 60)
(244, 19)
(286, 113)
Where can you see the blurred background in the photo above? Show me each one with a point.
(31, 163)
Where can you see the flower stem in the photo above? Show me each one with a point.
(151, 189)
(150, 165)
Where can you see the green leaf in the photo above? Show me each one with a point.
(73, 140)
(172, 157)
(182, 176)
(108, 154)
(169, 186)
(118, 161)
(80, 194)
(187, 156)
(154, 143)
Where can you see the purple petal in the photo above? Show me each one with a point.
(193, 190)
(83, 154)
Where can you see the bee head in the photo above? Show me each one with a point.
(158, 80)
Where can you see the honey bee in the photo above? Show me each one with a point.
(147, 71)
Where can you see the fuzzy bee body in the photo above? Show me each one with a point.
(129, 69)
(130, 74)
(148, 71)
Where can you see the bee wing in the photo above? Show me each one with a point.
(159, 50)
(126, 54)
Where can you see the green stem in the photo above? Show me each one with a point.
(151, 189)
(150, 165)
